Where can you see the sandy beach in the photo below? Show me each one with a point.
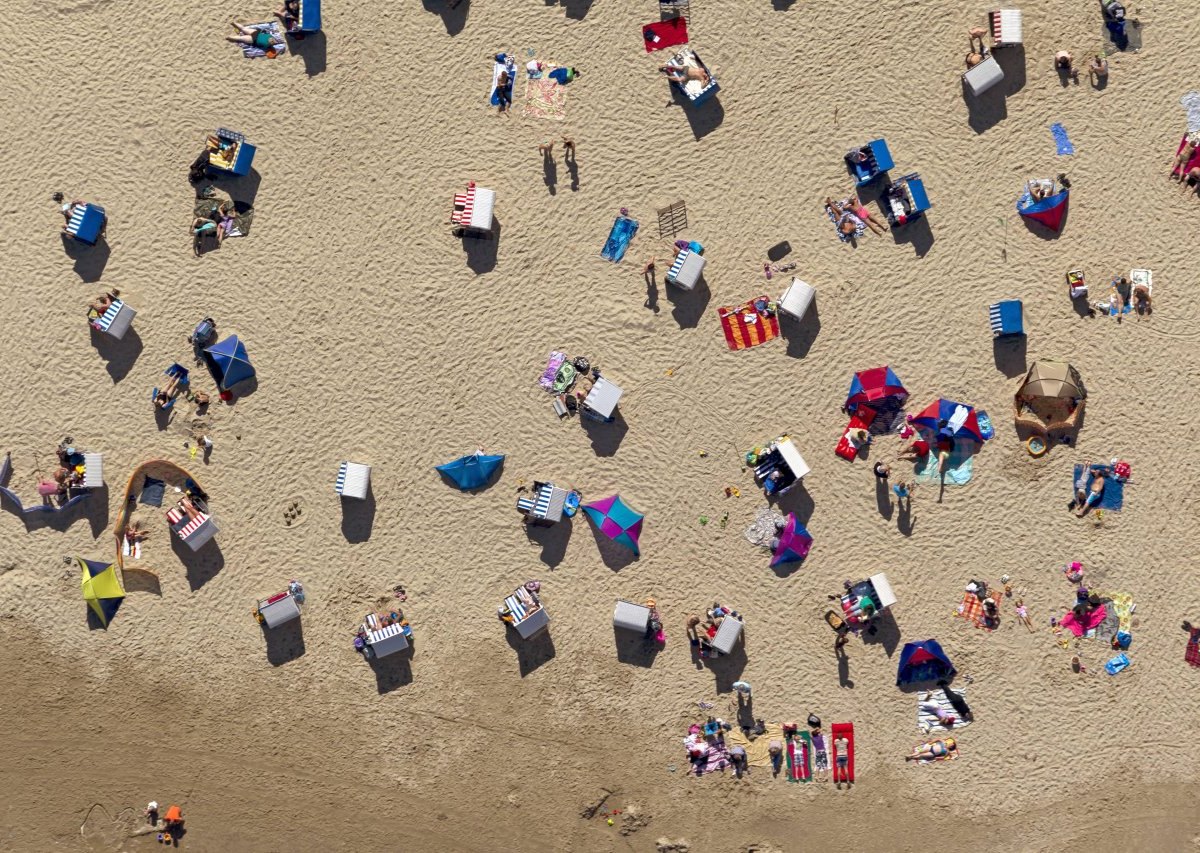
(379, 337)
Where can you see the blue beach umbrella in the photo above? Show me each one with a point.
(473, 471)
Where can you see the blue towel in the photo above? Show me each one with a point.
(1061, 142)
(618, 239)
(1113, 498)
(152, 492)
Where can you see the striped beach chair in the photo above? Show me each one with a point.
(116, 320)
(86, 223)
(1006, 27)
(353, 480)
(1006, 318)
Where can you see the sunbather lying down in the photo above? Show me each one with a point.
(930, 751)
(682, 74)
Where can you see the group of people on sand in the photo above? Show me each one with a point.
(1064, 60)
(1189, 179)
(701, 632)
(851, 215)
(66, 475)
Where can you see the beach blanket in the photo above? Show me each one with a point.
(958, 467)
(762, 530)
(1062, 143)
(237, 226)
(668, 33)
(860, 227)
(503, 63)
(1191, 103)
(1194, 160)
(1080, 628)
(717, 758)
(1120, 603)
(556, 360)
(618, 239)
(1192, 653)
(799, 757)
(545, 97)
(278, 42)
(1113, 498)
(745, 327)
(971, 609)
(152, 492)
(757, 750)
(863, 417)
(927, 721)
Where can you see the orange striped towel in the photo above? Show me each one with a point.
(971, 609)
(745, 326)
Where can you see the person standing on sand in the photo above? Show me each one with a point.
(568, 148)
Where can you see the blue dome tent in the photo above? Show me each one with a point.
(923, 661)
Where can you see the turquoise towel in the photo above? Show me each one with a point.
(958, 469)
(1062, 142)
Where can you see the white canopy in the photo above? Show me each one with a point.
(793, 458)
(603, 397)
(884, 588)
(727, 635)
(387, 640)
(797, 298)
(275, 613)
(631, 617)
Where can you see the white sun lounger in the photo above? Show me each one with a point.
(353, 480)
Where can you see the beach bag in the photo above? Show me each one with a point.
(204, 332)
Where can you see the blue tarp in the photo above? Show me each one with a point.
(471, 472)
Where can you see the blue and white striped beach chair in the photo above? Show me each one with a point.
(1006, 318)
(353, 480)
(86, 223)
(116, 320)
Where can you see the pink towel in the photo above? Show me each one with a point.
(1079, 629)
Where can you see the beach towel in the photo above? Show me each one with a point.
(1194, 160)
(745, 327)
(502, 62)
(278, 42)
(971, 609)
(152, 492)
(236, 226)
(927, 721)
(1080, 628)
(1062, 142)
(545, 97)
(1120, 603)
(717, 758)
(842, 731)
(762, 530)
(863, 417)
(799, 757)
(757, 750)
(668, 33)
(860, 227)
(552, 366)
(1191, 103)
(958, 467)
(1113, 498)
(1192, 653)
(618, 239)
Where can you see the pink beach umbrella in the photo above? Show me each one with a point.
(616, 520)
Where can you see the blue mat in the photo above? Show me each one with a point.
(152, 492)
(618, 239)
(1062, 142)
(1113, 497)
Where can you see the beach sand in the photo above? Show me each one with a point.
(377, 337)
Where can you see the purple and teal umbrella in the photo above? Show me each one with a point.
(794, 542)
(616, 520)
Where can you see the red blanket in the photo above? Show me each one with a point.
(1187, 167)
(861, 420)
(745, 327)
(1192, 655)
(670, 33)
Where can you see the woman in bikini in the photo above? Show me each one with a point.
(860, 210)
(931, 751)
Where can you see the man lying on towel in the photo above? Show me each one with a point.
(683, 73)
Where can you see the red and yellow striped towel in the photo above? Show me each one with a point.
(745, 327)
